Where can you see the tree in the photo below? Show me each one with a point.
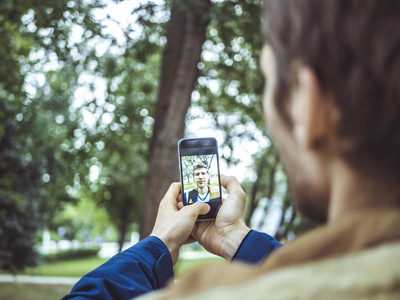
(283, 229)
(185, 36)
(119, 139)
(187, 168)
(18, 199)
(33, 177)
(230, 90)
(265, 184)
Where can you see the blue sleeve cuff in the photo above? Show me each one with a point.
(255, 247)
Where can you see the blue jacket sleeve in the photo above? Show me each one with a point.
(255, 247)
(144, 267)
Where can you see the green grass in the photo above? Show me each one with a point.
(189, 186)
(72, 268)
(192, 185)
(79, 267)
(24, 291)
(68, 268)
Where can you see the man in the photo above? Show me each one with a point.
(332, 103)
(203, 192)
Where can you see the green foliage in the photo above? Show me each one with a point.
(85, 219)
(35, 167)
(49, 56)
(18, 199)
(119, 147)
(235, 61)
(71, 254)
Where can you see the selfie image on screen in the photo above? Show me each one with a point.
(200, 178)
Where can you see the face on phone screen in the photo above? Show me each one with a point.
(200, 178)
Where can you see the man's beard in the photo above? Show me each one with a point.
(201, 184)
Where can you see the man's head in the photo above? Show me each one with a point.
(332, 69)
(200, 175)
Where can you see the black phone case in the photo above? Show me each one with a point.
(198, 147)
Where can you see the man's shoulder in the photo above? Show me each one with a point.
(212, 189)
(214, 193)
(191, 195)
(363, 274)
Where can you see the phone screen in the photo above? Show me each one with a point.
(199, 170)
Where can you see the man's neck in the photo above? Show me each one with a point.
(353, 192)
(203, 191)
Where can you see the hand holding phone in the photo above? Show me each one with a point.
(199, 172)
(223, 236)
(173, 225)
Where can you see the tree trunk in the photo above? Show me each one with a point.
(283, 232)
(185, 37)
(283, 227)
(124, 221)
(122, 234)
(279, 232)
(271, 189)
(254, 189)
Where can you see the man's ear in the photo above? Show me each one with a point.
(312, 110)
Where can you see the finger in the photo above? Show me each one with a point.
(231, 184)
(196, 209)
(180, 205)
(204, 208)
(235, 191)
(190, 240)
(194, 229)
(172, 194)
(180, 197)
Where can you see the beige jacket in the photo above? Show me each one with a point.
(355, 257)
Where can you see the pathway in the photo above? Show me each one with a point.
(39, 279)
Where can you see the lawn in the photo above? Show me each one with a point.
(79, 267)
(71, 268)
(23, 291)
(68, 268)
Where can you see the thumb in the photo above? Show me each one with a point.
(198, 208)
(204, 208)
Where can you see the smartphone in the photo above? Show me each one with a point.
(199, 170)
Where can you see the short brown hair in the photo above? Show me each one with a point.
(200, 166)
(353, 46)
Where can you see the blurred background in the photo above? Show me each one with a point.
(94, 96)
